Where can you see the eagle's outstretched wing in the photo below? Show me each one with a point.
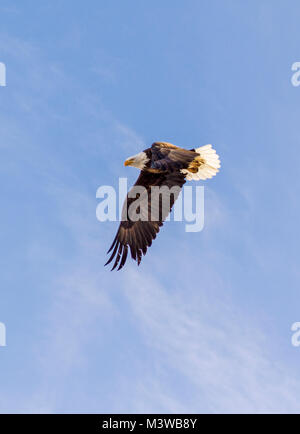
(138, 235)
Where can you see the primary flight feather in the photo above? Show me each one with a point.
(165, 166)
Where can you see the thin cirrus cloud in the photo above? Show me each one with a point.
(187, 330)
(214, 346)
(204, 339)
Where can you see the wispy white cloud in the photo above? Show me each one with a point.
(219, 350)
(196, 350)
(195, 334)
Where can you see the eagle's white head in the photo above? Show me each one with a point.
(139, 160)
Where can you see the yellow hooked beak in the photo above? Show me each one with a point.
(129, 162)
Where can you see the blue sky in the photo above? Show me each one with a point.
(203, 325)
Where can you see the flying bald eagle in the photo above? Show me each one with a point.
(162, 165)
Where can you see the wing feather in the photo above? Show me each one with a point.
(138, 235)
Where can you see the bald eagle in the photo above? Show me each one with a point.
(162, 165)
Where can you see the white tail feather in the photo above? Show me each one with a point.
(209, 168)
